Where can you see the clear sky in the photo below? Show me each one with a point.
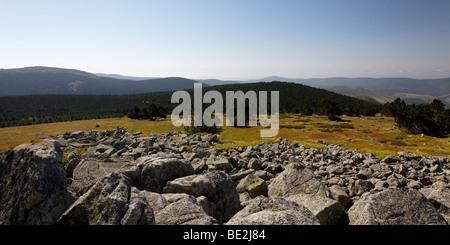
(230, 39)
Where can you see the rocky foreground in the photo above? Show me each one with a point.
(122, 178)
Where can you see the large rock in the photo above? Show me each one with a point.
(89, 171)
(139, 210)
(399, 206)
(340, 194)
(33, 188)
(216, 186)
(363, 186)
(181, 209)
(440, 198)
(220, 163)
(254, 163)
(241, 174)
(297, 179)
(111, 201)
(392, 159)
(273, 211)
(156, 171)
(327, 210)
(380, 170)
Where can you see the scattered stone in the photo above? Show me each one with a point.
(252, 184)
(176, 178)
(364, 174)
(416, 164)
(396, 181)
(391, 159)
(254, 163)
(220, 164)
(363, 186)
(241, 174)
(403, 169)
(415, 184)
(436, 169)
(77, 134)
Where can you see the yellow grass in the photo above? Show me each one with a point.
(12, 136)
(377, 135)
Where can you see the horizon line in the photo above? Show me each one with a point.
(227, 79)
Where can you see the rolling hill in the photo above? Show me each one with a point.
(362, 93)
(47, 80)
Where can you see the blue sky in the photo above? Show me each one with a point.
(230, 39)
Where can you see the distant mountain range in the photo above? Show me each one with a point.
(118, 76)
(47, 80)
(389, 86)
(362, 93)
(382, 90)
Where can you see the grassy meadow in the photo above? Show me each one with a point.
(377, 135)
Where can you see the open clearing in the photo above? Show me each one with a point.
(377, 135)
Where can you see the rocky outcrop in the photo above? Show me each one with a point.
(33, 188)
(111, 201)
(332, 180)
(117, 177)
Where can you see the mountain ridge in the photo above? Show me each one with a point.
(389, 85)
(362, 93)
(412, 90)
(50, 80)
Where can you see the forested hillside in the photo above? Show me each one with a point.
(34, 109)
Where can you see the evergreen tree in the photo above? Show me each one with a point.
(431, 119)
(330, 109)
